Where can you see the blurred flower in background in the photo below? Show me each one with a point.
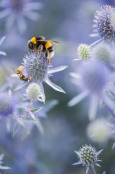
(15, 13)
(92, 78)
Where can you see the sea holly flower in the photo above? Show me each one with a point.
(15, 12)
(39, 71)
(92, 79)
(1, 162)
(88, 157)
(103, 26)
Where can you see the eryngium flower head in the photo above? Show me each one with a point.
(104, 53)
(35, 67)
(84, 51)
(7, 104)
(88, 156)
(33, 91)
(103, 25)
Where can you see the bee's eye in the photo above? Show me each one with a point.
(31, 45)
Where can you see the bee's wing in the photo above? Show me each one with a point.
(53, 41)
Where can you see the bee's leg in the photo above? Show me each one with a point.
(48, 61)
(40, 48)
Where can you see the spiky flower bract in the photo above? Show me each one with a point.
(7, 104)
(84, 51)
(35, 67)
(33, 91)
(88, 156)
(103, 52)
(1, 41)
(102, 23)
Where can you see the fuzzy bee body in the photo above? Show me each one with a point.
(42, 45)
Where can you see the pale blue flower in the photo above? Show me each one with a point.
(40, 71)
(16, 11)
(92, 79)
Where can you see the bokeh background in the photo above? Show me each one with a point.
(70, 23)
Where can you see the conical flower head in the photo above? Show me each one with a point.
(103, 24)
(35, 67)
(88, 155)
(84, 51)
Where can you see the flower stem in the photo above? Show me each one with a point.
(93, 170)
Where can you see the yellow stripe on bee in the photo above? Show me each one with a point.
(48, 44)
(20, 68)
(34, 40)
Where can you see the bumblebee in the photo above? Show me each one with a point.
(41, 45)
(20, 73)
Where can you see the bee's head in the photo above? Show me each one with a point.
(31, 45)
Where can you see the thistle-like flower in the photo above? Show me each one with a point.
(92, 78)
(7, 104)
(39, 71)
(16, 10)
(103, 25)
(88, 156)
